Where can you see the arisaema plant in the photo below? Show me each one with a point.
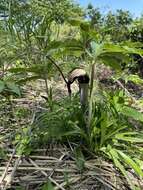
(108, 128)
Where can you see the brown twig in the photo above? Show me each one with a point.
(46, 175)
(26, 168)
(7, 167)
(11, 176)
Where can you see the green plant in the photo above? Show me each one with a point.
(31, 42)
(111, 132)
(107, 116)
(23, 140)
(61, 122)
(8, 88)
(106, 131)
(22, 112)
(48, 186)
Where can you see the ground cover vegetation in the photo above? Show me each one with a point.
(41, 42)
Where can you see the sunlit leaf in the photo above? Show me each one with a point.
(120, 166)
(132, 112)
(132, 137)
(131, 163)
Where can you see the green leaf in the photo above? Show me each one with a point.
(17, 70)
(2, 86)
(71, 51)
(24, 80)
(132, 137)
(48, 186)
(139, 162)
(107, 48)
(79, 158)
(111, 61)
(134, 78)
(96, 49)
(13, 87)
(75, 22)
(39, 69)
(113, 132)
(84, 25)
(120, 166)
(131, 163)
(132, 112)
(55, 45)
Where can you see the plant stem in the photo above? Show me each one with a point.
(58, 68)
(60, 71)
(92, 77)
(91, 98)
(49, 98)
